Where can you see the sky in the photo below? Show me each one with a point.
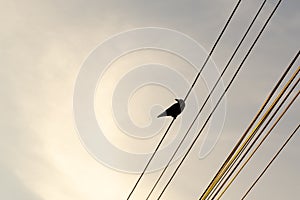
(47, 45)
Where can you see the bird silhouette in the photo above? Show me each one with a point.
(174, 110)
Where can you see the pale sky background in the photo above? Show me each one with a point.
(44, 43)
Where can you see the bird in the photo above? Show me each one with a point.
(174, 110)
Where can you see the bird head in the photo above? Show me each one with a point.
(181, 103)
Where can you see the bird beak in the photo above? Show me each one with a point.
(177, 100)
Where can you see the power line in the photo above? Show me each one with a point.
(255, 140)
(251, 124)
(227, 65)
(251, 155)
(219, 175)
(214, 46)
(194, 141)
(232, 160)
(249, 147)
(276, 155)
(152, 156)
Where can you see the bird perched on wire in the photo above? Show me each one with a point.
(174, 110)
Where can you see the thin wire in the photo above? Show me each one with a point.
(246, 142)
(254, 131)
(152, 156)
(266, 168)
(250, 146)
(251, 124)
(265, 103)
(213, 48)
(255, 140)
(216, 180)
(251, 155)
(231, 81)
(227, 65)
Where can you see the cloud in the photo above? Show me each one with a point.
(12, 187)
(43, 45)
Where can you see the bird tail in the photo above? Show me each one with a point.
(162, 114)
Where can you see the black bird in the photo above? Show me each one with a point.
(174, 110)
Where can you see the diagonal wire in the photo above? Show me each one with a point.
(226, 173)
(214, 46)
(257, 147)
(252, 123)
(253, 132)
(266, 168)
(227, 65)
(223, 170)
(231, 81)
(255, 140)
(152, 156)
(248, 148)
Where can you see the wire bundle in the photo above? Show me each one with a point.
(249, 138)
(227, 166)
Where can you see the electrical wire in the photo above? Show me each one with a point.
(257, 147)
(214, 46)
(233, 159)
(207, 98)
(269, 164)
(222, 171)
(255, 140)
(237, 71)
(152, 156)
(254, 131)
(251, 124)
(261, 132)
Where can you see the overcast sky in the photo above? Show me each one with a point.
(43, 45)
